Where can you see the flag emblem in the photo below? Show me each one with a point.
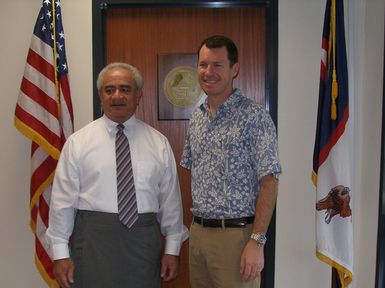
(337, 202)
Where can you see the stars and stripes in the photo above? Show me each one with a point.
(44, 114)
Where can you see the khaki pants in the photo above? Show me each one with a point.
(214, 257)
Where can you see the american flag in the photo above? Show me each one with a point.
(333, 150)
(44, 114)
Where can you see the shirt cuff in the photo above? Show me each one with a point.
(173, 243)
(60, 251)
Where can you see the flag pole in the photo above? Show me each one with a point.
(55, 58)
(335, 279)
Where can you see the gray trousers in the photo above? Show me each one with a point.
(108, 254)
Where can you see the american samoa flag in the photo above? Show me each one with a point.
(44, 114)
(332, 158)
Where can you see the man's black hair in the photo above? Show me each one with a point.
(218, 41)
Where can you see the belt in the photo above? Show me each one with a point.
(230, 223)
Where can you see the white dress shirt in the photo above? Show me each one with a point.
(85, 179)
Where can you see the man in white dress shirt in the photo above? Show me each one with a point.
(89, 245)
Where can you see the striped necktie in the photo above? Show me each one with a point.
(127, 207)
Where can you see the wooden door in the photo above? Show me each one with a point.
(138, 35)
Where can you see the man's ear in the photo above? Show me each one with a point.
(139, 95)
(235, 69)
(100, 100)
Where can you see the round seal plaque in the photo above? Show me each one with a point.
(181, 87)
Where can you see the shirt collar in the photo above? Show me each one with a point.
(129, 125)
(227, 105)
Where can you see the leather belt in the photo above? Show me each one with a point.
(229, 223)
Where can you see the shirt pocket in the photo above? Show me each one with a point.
(147, 179)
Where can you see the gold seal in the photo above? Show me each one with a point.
(181, 87)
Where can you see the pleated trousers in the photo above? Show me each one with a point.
(108, 254)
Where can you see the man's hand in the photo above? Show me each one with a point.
(63, 269)
(252, 261)
(169, 269)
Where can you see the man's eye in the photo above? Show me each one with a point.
(124, 89)
(109, 90)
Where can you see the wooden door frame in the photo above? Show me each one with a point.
(99, 8)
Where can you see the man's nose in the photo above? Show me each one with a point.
(209, 69)
(117, 93)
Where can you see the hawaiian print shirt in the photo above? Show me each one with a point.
(228, 155)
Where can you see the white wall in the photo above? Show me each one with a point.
(14, 150)
(300, 30)
(370, 46)
(300, 27)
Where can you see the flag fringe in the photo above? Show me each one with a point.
(43, 273)
(314, 178)
(345, 275)
(37, 138)
(39, 191)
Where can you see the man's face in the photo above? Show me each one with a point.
(214, 72)
(118, 95)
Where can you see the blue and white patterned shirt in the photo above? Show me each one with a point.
(228, 155)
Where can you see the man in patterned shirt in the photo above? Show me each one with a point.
(231, 150)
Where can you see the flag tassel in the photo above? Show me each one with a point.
(334, 96)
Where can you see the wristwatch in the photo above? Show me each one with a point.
(259, 238)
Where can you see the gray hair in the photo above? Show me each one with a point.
(135, 73)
